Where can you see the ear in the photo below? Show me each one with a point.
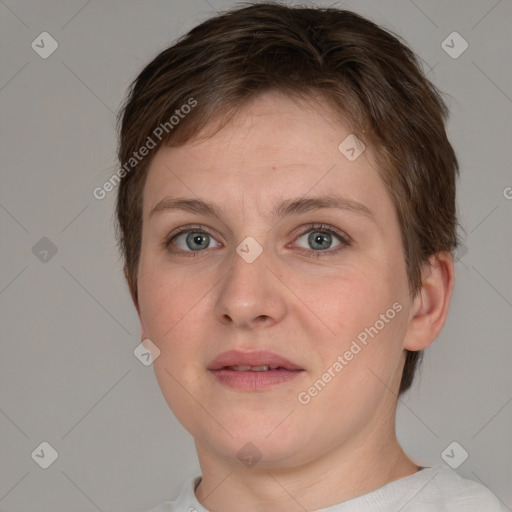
(431, 304)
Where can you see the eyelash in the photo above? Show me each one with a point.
(344, 239)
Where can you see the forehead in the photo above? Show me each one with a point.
(273, 125)
(274, 148)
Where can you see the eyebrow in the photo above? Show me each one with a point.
(287, 207)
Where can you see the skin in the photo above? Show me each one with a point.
(342, 443)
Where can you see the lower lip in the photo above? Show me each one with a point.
(254, 381)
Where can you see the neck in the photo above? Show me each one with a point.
(341, 474)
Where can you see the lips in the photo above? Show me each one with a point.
(253, 371)
(252, 361)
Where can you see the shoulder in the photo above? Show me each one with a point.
(185, 502)
(444, 490)
(437, 488)
(166, 506)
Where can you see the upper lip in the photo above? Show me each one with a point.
(259, 358)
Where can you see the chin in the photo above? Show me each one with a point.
(258, 443)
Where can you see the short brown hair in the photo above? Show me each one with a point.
(365, 73)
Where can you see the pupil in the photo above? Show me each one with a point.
(197, 238)
(319, 238)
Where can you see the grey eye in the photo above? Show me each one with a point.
(193, 240)
(318, 240)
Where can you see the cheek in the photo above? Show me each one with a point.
(172, 316)
(352, 300)
(360, 366)
(367, 317)
(176, 313)
(165, 292)
(166, 302)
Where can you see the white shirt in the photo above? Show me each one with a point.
(435, 489)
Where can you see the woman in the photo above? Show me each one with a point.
(287, 217)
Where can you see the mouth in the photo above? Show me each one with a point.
(253, 371)
(249, 368)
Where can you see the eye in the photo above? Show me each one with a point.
(320, 239)
(190, 240)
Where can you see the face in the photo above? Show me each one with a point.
(281, 269)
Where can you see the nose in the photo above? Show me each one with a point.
(251, 295)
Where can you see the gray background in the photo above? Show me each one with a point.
(68, 375)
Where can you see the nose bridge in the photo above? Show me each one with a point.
(248, 269)
(249, 290)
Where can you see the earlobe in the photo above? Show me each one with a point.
(430, 306)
